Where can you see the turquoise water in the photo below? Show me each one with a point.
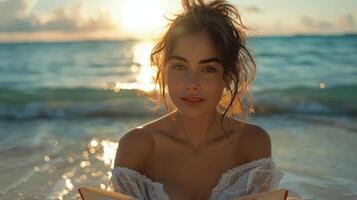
(305, 74)
(53, 105)
(283, 62)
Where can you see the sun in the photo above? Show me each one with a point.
(141, 17)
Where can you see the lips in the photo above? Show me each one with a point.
(193, 101)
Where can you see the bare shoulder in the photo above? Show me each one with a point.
(134, 148)
(255, 140)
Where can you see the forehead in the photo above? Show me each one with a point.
(196, 46)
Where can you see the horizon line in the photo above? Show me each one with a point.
(353, 34)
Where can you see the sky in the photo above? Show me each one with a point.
(49, 20)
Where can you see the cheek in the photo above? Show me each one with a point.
(174, 77)
(174, 83)
(214, 81)
(215, 89)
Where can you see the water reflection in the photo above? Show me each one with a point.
(322, 85)
(144, 73)
(91, 167)
(109, 151)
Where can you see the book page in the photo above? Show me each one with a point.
(90, 193)
(272, 195)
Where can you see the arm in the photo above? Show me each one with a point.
(258, 145)
(134, 148)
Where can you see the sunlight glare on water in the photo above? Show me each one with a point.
(145, 73)
(109, 150)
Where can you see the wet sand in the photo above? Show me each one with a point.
(316, 155)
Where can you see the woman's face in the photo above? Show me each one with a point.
(195, 75)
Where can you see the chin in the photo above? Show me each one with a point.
(195, 112)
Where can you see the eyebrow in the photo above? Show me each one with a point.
(208, 60)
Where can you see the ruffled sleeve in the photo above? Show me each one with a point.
(132, 183)
(253, 177)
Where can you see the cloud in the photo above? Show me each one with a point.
(346, 21)
(73, 19)
(252, 9)
(339, 24)
(311, 23)
(16, 16)
(14, 9)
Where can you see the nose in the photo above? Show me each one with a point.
(192, 82)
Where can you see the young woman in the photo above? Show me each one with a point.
(196, 151)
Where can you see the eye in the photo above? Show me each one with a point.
(177, 67)
(209, 69)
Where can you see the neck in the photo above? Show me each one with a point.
(197, 131)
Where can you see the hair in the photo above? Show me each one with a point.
(223, 23)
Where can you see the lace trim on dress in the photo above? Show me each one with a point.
(229, 177)
(138, 175)
(155, 190)
(251, 177)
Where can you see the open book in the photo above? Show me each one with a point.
(90, 193)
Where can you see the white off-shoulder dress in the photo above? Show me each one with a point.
(253, 177)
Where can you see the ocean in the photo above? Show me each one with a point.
(64, 106)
